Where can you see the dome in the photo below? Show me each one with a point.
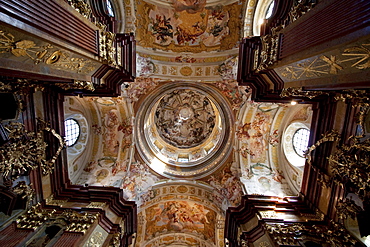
(184, 130)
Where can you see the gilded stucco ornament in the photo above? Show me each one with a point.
(81, 7)
(40, 52)
(26, 151)
(300, 8)
(285, 234)
(25, 191)
(361, 99)
(269, 51)
(34, 217)
(299, 92)
(20, 86)
(328, 136)
(349, 59)
(347, 208)
(107, 50)
(86, 85)
(115, 241)
(350, 162)
(79, 222)
(333, 234)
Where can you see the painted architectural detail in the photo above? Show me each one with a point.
(137, 181)
(228, 69)
(144, 66)
(227, 187)
(140, 87)
(234, 93)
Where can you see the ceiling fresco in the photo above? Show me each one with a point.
(187, 39)
(188, 26)
(185, 141)
(254, 165)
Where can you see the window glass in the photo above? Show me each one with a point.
(110, 8)
(72, 130)
(300, 141)
(270, 9)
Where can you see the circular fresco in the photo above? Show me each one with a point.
(184, 130)
(185, 118)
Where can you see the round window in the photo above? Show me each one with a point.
(110, 8)
(269, 10)
(72, 131)
(300, 141)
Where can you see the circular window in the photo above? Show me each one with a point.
(72, 130)
(110, 8)
(269, 10)
(300, 141)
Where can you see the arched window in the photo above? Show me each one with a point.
(72, 131)
(300, 141)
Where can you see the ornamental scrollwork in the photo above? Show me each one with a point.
(285, 234)
(350, 163)
(81, 7)
(299, 92)
(107, 49)
(46, 54)
(301, 8)
(85, 85)
(361, 100)
(20, 86)
(79, 222)
(269, 51)
(333, 234)
(347, 208)
(34, 217)
(25, 191)
(328, 136)
(115, 241)
(25, 151)
(48, 166)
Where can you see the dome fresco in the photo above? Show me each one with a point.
(184, 118)
(184, 129)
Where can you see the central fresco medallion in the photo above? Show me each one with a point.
(185, 118)
(184, 130)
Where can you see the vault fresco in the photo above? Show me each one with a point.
(259, 139)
